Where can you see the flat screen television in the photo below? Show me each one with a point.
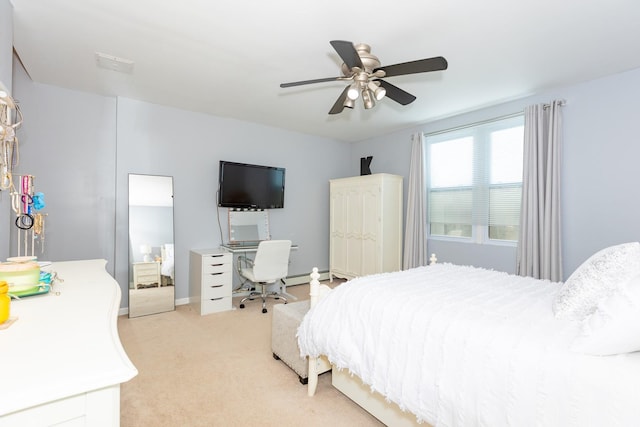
(245, 186)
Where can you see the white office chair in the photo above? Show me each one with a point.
(269, 267)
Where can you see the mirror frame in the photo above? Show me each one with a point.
(151, 256)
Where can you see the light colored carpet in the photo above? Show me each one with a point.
(218, 370)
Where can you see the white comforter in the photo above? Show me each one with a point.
(461, 346)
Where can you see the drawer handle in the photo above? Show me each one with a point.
(217, 286)
(216, 265)
(215, 256)
(215, 274)
(216, 299)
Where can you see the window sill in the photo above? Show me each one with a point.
(469, 240)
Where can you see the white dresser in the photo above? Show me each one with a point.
(146, 274)
(210, 280)
(365, 225)
(62, 360)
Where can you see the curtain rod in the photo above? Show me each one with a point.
(561, 102)
(481, 122)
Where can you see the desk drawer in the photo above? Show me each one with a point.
(211, 280)
(216, 290)
(218, 278)
(215, 266)
(215, 305)
(224, 258)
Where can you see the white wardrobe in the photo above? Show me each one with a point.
(365, 225)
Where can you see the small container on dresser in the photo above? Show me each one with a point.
(210, 280)
(5, 302)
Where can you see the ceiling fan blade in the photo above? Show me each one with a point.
(307, 82)
(339, 105)
(396, 94)
(420, 66)
(348, 53)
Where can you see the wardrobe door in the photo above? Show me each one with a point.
(338, 233)
(370, 236)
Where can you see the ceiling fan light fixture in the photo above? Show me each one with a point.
(364, 72)
(367, 99)
(378, 91)
(353, 93)
(349, 103)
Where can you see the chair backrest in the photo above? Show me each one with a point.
(272, 260)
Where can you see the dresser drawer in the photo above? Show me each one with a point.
(215, 305)
(147, 278)
(147, 268)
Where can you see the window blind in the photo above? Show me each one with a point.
(474, 180)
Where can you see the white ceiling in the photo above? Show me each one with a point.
(228, 58)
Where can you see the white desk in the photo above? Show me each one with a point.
(240, 248)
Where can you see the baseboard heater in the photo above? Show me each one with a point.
(304, 279)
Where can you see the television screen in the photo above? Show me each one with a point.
(250, 186)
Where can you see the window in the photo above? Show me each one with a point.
(475, 181)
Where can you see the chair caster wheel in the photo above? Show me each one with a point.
(264, 310)
(241, 305)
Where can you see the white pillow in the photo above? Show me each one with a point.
(597, 278)
(614, 328)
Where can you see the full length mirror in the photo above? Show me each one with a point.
(151, 254)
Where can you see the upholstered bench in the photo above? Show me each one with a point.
(284, 343)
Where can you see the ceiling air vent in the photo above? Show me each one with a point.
(114, 63)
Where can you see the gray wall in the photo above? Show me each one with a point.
(6, 42)
(600, 169)
(6, 77)
(67, 142)
(81, 147)
(153, 139)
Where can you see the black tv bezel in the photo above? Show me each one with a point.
(231, 205)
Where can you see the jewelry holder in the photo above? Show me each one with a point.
(25, 202)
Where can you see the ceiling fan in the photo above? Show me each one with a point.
(365, 73)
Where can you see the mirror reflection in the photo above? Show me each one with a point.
(151, 252)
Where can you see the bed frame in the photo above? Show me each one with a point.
(350, 385)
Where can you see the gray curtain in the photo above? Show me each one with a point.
(415, 234)
(539, 246)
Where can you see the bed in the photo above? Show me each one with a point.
(462, 346)
(167, 264)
